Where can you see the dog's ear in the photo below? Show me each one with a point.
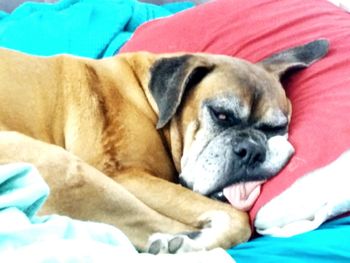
(170, 78)
(295, 58)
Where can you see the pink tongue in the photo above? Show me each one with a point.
(243, 195)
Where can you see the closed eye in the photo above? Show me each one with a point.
(223, 117)
(267, 128)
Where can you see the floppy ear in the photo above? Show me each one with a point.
(170, 78)
(294, 58)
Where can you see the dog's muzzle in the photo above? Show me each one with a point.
(250, 153)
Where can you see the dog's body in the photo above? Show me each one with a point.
(79, 120)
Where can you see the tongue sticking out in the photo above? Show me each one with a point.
(243, 195)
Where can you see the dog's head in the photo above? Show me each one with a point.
(227, 118)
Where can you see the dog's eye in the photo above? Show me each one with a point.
(273, 129)
(223, 117)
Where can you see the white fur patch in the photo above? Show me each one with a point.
(279, 151)
(215, 225)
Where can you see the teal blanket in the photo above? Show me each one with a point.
(327, 244)
(89, 28)
(25, 236)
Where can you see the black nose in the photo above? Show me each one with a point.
(250, 153)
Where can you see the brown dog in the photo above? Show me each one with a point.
(90, 128)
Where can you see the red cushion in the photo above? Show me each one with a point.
(253, 29)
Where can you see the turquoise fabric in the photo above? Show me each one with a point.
(25, 237)
(89, 28)
(328, 244)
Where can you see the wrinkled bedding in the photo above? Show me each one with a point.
(55, 238)
(97, 32)
(23, 234)
(26, 237)
(89, 28)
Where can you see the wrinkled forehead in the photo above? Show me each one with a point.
(248, 88)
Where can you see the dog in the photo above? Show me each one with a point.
(114, 137)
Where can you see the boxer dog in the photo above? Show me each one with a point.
(113, 137)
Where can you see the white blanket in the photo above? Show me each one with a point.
(344, 4)
(310, 201)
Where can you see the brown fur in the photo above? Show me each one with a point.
(78, 120)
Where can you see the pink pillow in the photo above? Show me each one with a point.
(253, 29)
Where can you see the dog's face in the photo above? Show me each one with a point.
(230, 117)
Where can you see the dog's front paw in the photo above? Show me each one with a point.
(173, 244)
(215, 229)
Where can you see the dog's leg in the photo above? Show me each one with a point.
(217, 224)
(82, 192)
